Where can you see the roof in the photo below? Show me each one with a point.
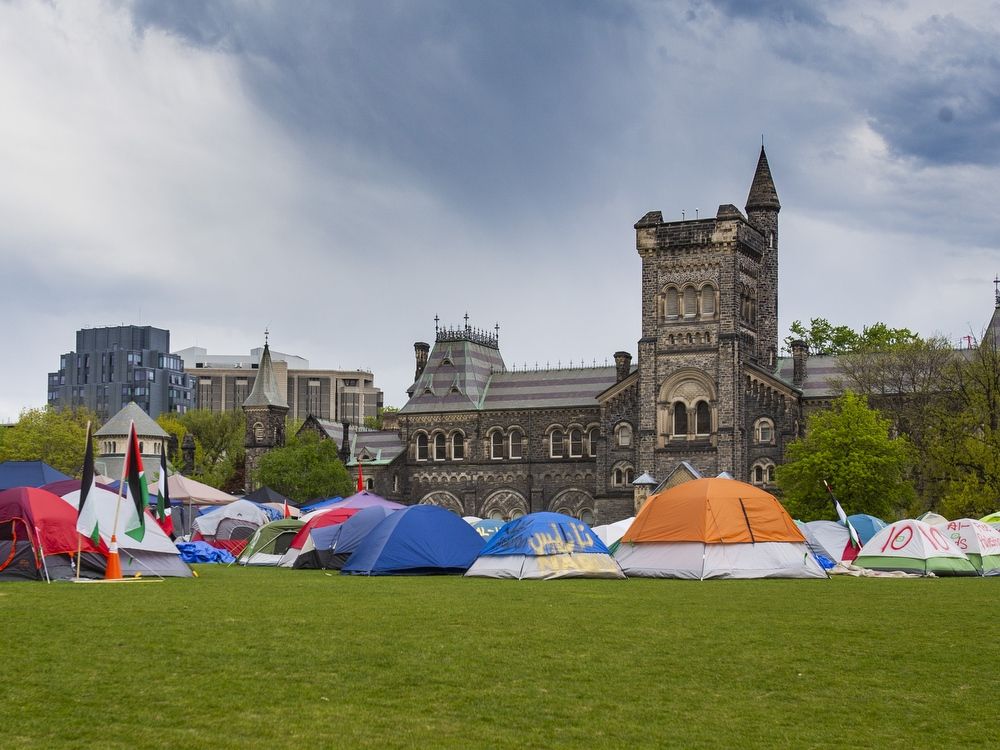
(993, 329)
(381, 445)
(762, 191)
(455, 378)
(823, 373)
(119, 424)
(265, 386)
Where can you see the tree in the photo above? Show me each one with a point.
(218, 439)
(306, 468)
(823, 337)
(375, 423)
(58, 438)
(848, 445)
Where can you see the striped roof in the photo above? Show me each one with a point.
(455, 378)
(382, 445)
(549, 388)
(822, 370)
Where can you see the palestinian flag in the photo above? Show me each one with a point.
(86, 520)
(842, 516)
(138, 492)
(163, 513)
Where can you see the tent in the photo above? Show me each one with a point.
(267, 495)
(190, 492)
(321, 504)
(155, 554)
(418, 540)
(993, 519)
(833, 538)
(979, 541)
(932, 518)
(715, 528)
(39, 540)
(237, 520)
(866, 526)
(334, 545)
(487, 527)
(545, 545)
(612, 532)
(27, 474)
(332, 516)
(269, 542)
(914, 547)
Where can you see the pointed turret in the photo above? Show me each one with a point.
(993, 329)
(265, 387)
(763, 194)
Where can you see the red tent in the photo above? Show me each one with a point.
(38, 537)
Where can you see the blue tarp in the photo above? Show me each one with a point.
(28, 474)
(320, 504)
(346, 537)
(200, 552)
(418, 540)
(540, 534)
(866, 526)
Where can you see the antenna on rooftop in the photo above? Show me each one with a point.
(996, 290)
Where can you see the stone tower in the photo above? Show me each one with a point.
(265, 409)
(709, 312)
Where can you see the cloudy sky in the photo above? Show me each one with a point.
(342, 172)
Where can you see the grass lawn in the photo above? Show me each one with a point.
(266, 658)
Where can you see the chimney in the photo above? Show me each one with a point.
(344, 454)
(623, 364)
(420, 350)
(800, 353)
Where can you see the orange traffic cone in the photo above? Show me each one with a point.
(114, 570)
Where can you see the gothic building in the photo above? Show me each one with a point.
(708, 391)
(266, 410)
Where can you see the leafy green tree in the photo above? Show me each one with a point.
(823, 337)
(848, 445)
(375, 423)
(57, 437)
(218, 444)
(304, 469)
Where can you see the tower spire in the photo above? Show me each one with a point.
(763, 194)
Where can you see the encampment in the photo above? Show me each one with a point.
(545, 545)
(270, 542)
(715, 528)
(236, 521)
(418, 540)
(914, 547)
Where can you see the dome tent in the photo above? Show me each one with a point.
(334, 545)
(866, 526)
(270, 542)
(914, 547)
(715, 528)
(979, 541)
(545, 545)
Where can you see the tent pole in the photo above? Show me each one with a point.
(41, 551)
(79, 553)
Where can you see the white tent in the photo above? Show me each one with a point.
(238, 520)
(155, 554)
(834, 539)
(914, 547)
(979, 541)
(611, 532)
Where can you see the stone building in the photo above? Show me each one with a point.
(112, 442)
(266, 410)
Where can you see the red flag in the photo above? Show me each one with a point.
(361, 479)
(288, 513)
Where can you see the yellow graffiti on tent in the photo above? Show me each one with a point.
(545, 543)
(587, 562)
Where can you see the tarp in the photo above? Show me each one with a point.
(914, 547)
(186, 490)
(715, 528)
(979, 541)
(418, 540)
(270, 542)
(28, 474)
(223, 521)
(866, 526)
(155, 554)
(201, 552)
(545, 545)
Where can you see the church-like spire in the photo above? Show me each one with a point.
(763, 194)
(265, 387)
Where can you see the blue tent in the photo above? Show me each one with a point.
(488, 527)
(866, 526)
(332, 546)
(28, 474)
(320, 504)
(419, 540)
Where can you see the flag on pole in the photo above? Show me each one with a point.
(288, 513)
(361, 479)
(138, 491)
(855, 539)
(86, 520)
(163, 512)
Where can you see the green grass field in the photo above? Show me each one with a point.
(266, 658)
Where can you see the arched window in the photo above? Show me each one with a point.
(516, 444)
(458, 446)
(142, 447)
(703, 419)
(496, 445)
(770, 474)
(556, 444)
(440, 448)
(673, 304)
(617, 477)
(575, 443)
(395, 482)
(421, 447)
(592, 435)
(764, 431)
(623, 435)
(587, 516)
(629, 476)
(369, 484)
(758, 474)
(707, 302)
(690, 302)
(680, 418)
(258, 431)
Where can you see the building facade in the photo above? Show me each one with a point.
(223, 383)
(266, 410)
(114, 365)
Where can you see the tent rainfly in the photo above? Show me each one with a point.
(914, 547)
(979, 541)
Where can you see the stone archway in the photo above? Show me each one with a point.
(504, 505)
(575, 503)
(444, 500)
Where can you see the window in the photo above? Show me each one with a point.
(440, 448)
(690, 302)
(142, 447)
(623, 435)
(629, 476)
(764, 431)
(617, 477)
(421, 447)
(592, 436)
(458, 446)
(587, 516)
(770, 474)
(258, 431)
(622, 476)
(703, 419)
(556, 444)
(707, 302)
(758, 474)
(496, 445)
(673, 305)
(680, 418)
(576, 443)
(516, 444)
(369, 484)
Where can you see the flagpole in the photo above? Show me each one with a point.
(79, 537)
(114, 568)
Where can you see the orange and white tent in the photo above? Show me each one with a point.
(715, 528)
